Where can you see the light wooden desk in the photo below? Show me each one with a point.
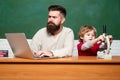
(72, 68)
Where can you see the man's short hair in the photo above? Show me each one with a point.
(58, 8)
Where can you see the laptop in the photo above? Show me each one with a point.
(20, 46)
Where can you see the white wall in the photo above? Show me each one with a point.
(115, 47)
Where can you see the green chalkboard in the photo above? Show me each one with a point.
(30, 15)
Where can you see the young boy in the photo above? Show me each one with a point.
(89, 45)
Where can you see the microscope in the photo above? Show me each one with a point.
(105, 54)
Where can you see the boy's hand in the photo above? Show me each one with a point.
(110, 38)
(101, 38)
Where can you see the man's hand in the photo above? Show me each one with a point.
(43, 53)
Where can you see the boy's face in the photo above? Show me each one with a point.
(88, 36)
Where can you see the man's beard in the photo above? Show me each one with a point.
(52, 28)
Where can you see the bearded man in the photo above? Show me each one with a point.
(54, 39)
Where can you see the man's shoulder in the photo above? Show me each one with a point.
(67, 29)
(42, 29)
